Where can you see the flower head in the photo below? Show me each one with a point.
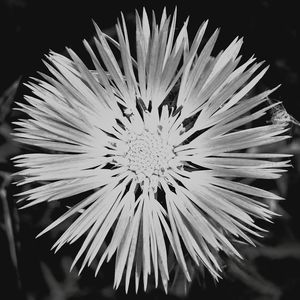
(159, 140)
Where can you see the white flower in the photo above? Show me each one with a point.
(159, 140)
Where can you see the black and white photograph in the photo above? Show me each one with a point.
(149, 150)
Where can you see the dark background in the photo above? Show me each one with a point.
(28, 29)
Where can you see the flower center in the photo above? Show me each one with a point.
(148, 153)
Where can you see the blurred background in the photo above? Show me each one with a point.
(28, 29)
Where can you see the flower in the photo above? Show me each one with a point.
(159, 141)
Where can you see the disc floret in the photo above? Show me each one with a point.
(148, 153)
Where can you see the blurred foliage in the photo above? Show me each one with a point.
(29, 28)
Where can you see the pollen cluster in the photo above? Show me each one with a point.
(148, 153)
